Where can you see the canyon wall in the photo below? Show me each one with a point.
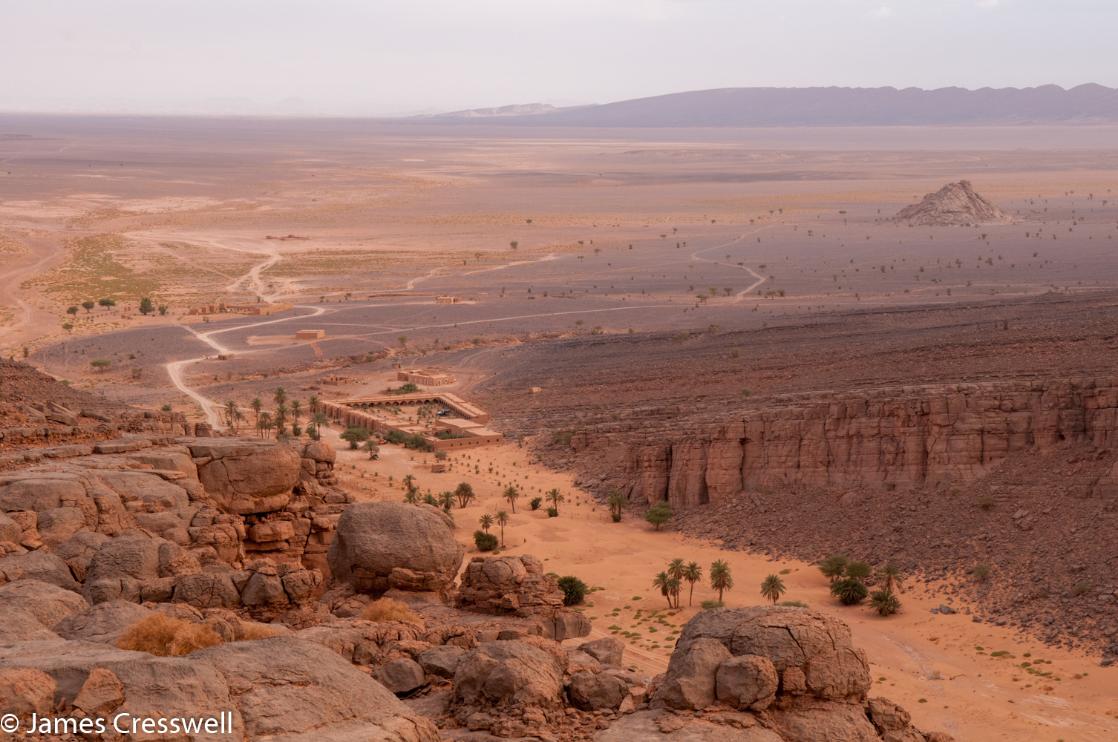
(890, 438)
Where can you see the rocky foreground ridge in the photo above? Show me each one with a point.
(311, 617)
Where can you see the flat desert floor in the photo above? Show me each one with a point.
(474, 248)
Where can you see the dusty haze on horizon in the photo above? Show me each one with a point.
(348, 57)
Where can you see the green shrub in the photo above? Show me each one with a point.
(849, 591)
(355, 436)
(793, 604)
(885, 602)
(535, 503)
(485, 541)
(552, 512)
(981, 572)
(709, 604)
(658, 514)
(574, 590)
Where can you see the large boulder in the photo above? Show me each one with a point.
(596, 691)
(246, 476)
(383, 545)
(37, 565)
(149, 686)
(402, 676)
(795, 666)
(20, 625)
(607, 650)
(690, 682)
(103, 623)
(288, 689)
(746, 682)
(137, 567)
(508, 584)
(508, 673)
(48, 603)
(809, 650)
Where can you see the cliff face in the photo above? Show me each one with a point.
(886, 439)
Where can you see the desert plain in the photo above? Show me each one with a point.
(609, 295)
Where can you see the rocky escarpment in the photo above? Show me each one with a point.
(888, 439)
(1015, 478)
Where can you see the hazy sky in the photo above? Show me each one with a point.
(377, 57)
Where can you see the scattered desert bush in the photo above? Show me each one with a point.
(485, 541)
(355, 437)
(658, 514)
(552, 513)
(834, 567)
(793, 604)
(981, 572)
(709, 604)
(389, 609)
(166, 636)
(574, 590)
(535, 503)
(849, 591)
(885, 602)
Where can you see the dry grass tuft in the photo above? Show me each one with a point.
(387, 609)
(166, 636)
(249, 631)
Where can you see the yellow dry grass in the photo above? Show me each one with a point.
(388, 609)
(166, 636)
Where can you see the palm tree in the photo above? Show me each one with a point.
(554, 497)
(675, 572)
(312, 403)
(265, 424)
(616, 504)
(692, 573)
(231, 415)
(296, 410)
(409, 484)
(665, 584)
(319, 420)
(720, 577)
(512, 494)
(486, 522)
(773, 588)
(446, 499)
(894, 580)
(372, 448)
(502, 521)
(281, 419)
(279, 395)
(256, 406)
(465, 494)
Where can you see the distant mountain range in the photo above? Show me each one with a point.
(758, 107)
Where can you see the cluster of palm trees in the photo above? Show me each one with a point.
(486, 522)
(670, 581)
(849, 583)
(281, 422)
